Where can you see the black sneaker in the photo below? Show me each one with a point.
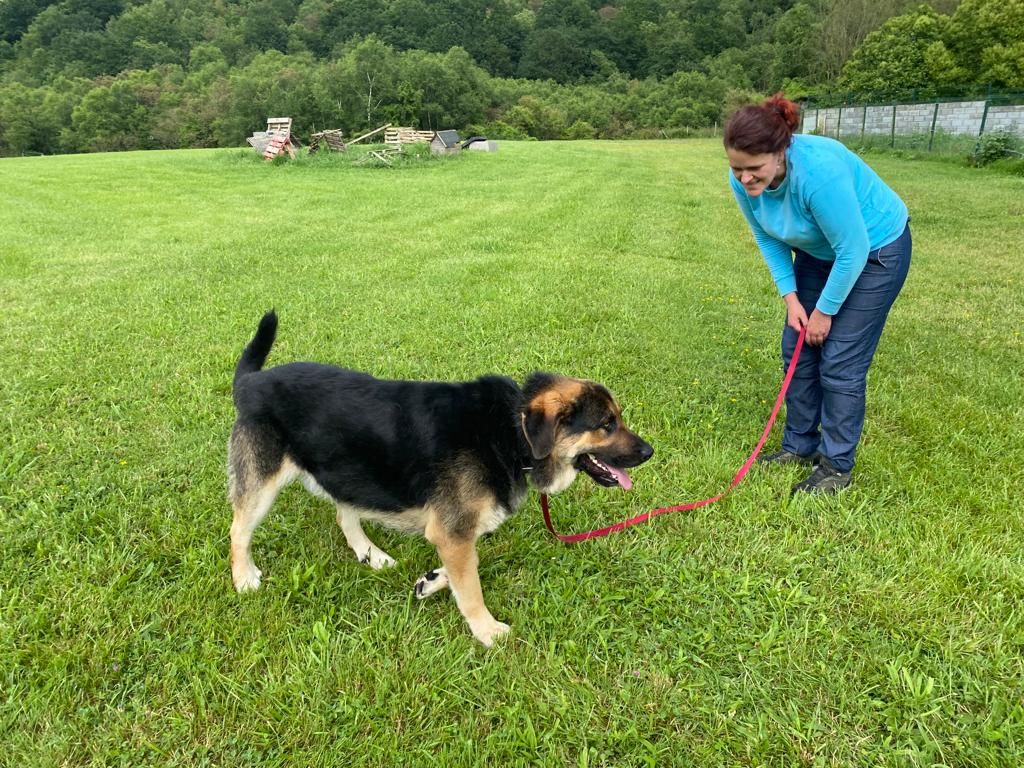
(788, 457)
(825, 479)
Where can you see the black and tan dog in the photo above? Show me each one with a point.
(447, 460)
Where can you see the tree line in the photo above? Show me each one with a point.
(97, 75)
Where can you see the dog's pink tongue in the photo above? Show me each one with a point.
(622, 477)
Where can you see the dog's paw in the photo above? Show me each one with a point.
(377, 559)
(247, 579)
(431, 582)
(489, 632)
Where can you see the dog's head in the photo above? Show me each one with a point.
(574, 425)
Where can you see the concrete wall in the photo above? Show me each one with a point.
(953, 117)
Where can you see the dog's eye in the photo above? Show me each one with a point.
(609, 425)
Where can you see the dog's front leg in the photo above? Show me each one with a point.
(367, 552)
(459, 557)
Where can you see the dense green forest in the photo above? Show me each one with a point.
(96, 75)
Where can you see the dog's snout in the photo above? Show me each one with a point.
(637, 453)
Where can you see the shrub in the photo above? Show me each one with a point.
(581, 129)
(994, 145)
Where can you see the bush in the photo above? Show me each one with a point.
(498, 129)
(993, 146)
(1013, 166)
(581, 129)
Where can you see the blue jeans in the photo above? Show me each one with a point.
(825, 402)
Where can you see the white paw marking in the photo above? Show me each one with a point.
(248, 579)
(431, 582)
(490, 632)
(377, 559)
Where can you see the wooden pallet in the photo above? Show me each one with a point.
(278, 144)
(380, 156)
(396, 137)
(279, 125)
(331, 139)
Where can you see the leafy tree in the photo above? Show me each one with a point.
(536, 118)
(844, 26)
(451, 90)
(556, 53)
(622, 37)
(145, 36)
(1003, 65)
(64, 41)
(309, 31)
(410, 23)
(499, 45)
(795, 34)
(16, 16)
(671, 47)
(717, 25)
(580, 129)
(363, 84)
(986, 38)
(117, 115)
(686, 99)
(26, 125)
(265, 27)
(271, 84)
(907, 52)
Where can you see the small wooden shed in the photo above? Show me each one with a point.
(445, 143)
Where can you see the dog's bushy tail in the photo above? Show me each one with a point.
(255, 354)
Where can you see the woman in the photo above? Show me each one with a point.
(837, 243)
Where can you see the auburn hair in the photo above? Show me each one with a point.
(759, 129)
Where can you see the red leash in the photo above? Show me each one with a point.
(599, 532)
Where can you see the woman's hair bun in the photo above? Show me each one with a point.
(765, 127)
(785, 108)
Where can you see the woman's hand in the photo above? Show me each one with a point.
(796, 318)
(818, 324)
(818, 327)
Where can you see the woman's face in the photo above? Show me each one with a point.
(757, 172)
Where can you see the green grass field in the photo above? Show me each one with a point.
(882, 627)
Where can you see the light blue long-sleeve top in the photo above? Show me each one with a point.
(831, 205)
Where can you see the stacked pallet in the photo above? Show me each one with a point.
(331, 139)
(278, 144)
(395, 137)
(277, 128)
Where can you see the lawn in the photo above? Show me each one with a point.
(881, 627)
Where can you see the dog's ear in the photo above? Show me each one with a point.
(539, 428)
(539, 417)
(537, 382)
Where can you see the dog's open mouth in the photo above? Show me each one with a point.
(602, 473)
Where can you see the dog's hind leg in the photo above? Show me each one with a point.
(458, 554)
(254, 482)
(367, 552)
